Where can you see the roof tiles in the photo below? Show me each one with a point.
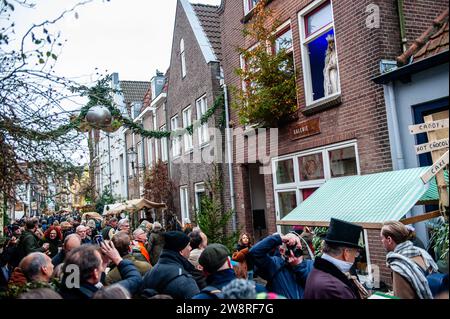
(210, 22)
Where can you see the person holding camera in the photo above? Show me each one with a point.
(279, 260)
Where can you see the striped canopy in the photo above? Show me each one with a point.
(368, 200)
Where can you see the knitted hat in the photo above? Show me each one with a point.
(175, 240)
(213, 257)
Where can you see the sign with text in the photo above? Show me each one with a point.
(432, 146)
(305, 129)
(435, 168)
(427, 127)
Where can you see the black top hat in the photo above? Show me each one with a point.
(343, 233)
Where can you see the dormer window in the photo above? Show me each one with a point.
(183, 59)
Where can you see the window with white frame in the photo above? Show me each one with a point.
(297, 176)
(283, 39)
(121, 168)
(150, 152)
(187, 121)
(319, 55)
(184, 202)
(203, 132)
(176, 143)
(182, 59)
(164, 145)
(249, 5)
(199, 194)
(140, 155)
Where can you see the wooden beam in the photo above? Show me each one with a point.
(420, 218)
(428, 202)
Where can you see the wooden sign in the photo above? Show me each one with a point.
(432, 146)
(435, 168)
(305, 129)
(427, 127)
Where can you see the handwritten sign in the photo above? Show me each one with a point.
(427, 127)
(305, 129)
(435, 168)
(432, 146)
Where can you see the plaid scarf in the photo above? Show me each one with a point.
(400, 262)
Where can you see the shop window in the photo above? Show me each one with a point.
(320, 64)
(285, 172)
(311, 167)
(287, 201)
(343, 162)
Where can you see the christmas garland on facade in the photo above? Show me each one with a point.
(101, 95)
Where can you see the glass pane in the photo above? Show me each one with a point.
(317, 19)
(324, 75)
(311, 167)
(306, 192)
(284, 41)
(343, 162)
(285, 172)
(287, 201)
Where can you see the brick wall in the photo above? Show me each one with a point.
(378, 255)
(201, 79)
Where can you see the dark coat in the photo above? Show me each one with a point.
(217, 280)
(326, 281)
(53, 248)
(59, 258)
(283, 279)
(29, 243)
(171, 276)
(131, 281)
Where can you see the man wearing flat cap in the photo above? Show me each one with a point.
(217, 266)
(330, 277)
(171, 274)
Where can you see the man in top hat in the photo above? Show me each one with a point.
(330, 277)
(171, 274)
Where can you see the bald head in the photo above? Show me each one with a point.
(71, 242)
(37, 267)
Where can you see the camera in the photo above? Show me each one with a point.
(98, 239)
(296, 252)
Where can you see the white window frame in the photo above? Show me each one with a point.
(279, 32)
(304, 41)
(199, 188)
(140, 155)
(298, 186)
(182, 58)
(150, 152)
(187, 121)
(249, 6)
(184, 203)
(164, 145)
(201, 106)
(176, 140)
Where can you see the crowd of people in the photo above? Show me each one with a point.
(65, 257)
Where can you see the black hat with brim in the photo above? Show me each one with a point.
(343, 233)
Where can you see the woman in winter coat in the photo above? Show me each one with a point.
(53, 236)
(240, 255)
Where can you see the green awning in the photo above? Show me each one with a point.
(368, 200)
(432, 195)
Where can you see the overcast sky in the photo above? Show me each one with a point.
(131, 37)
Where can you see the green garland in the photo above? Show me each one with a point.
(100, 94)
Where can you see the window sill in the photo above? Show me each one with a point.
(323, 105)
(203, 145)
(189, 151)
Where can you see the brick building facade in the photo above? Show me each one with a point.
(353, 126)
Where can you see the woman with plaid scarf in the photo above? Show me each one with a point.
(410, 264)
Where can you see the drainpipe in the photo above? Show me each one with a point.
(229, 155)
(401, 17)
(392, 109)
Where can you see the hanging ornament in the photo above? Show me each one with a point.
(99, 116)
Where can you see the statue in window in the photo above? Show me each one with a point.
(330, 72)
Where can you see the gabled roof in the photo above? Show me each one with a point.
(200, 33)
(134, 91)
(433, 41)
(210, 22)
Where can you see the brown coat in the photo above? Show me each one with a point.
(401, 286)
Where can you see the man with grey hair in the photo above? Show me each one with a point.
(109, 230)
(138, 245)
(71, 242)
(37, 267)
(124, 225)
(81, 231)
